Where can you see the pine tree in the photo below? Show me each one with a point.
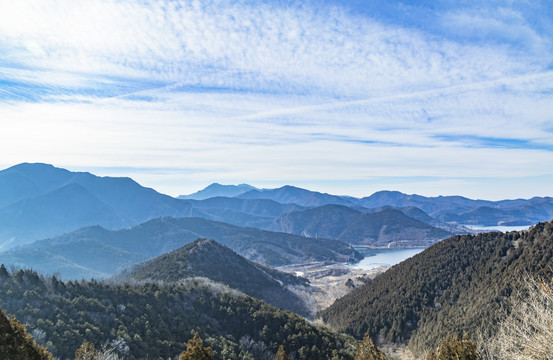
(87, 351)
(453, 348)
(368, 350)
(4, 272)
(281, 354)
(16, 344)
(195, 350)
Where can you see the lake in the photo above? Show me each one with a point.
(390, 256)
(481, 228)
(383, 257)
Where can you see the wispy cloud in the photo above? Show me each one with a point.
(278, 91)
(240, 46)
(500, 25)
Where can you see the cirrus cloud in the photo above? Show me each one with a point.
(310, 93)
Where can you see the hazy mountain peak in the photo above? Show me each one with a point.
(289, 194)
(32, 179)
(202, 245)
(56, 201)
(216, 189)
(25, 166)
(389, 192)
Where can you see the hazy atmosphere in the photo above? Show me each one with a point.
(427, 97)
(276, 180)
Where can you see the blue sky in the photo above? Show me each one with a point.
(428, 97)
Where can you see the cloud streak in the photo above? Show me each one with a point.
(278, 91)
(241, 46)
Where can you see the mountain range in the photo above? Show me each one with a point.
(39, 201)
(168, 280)
(460, 210)
(443, 209)
(96, 252)
(387, 227)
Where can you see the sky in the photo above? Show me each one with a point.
(347, 97)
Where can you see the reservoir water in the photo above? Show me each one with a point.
(480, 228)
(383, 257)
(374, 258)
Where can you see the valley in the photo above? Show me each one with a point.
(276, 180)
(329, 282)
(313, 272)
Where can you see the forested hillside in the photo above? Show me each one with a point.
(151, 321)
(207, 258)
(458, 285)
(16, 344)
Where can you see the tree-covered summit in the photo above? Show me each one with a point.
(461, 284)
(208, 258)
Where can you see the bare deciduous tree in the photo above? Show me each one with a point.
(527, 332)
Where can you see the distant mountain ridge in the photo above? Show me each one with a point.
(444, 209)
(387, 227)
(258, 213)
(294, 195)
(39, 201)
(208, 258)
(98, 252)
(216, 189)
(462, 210)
